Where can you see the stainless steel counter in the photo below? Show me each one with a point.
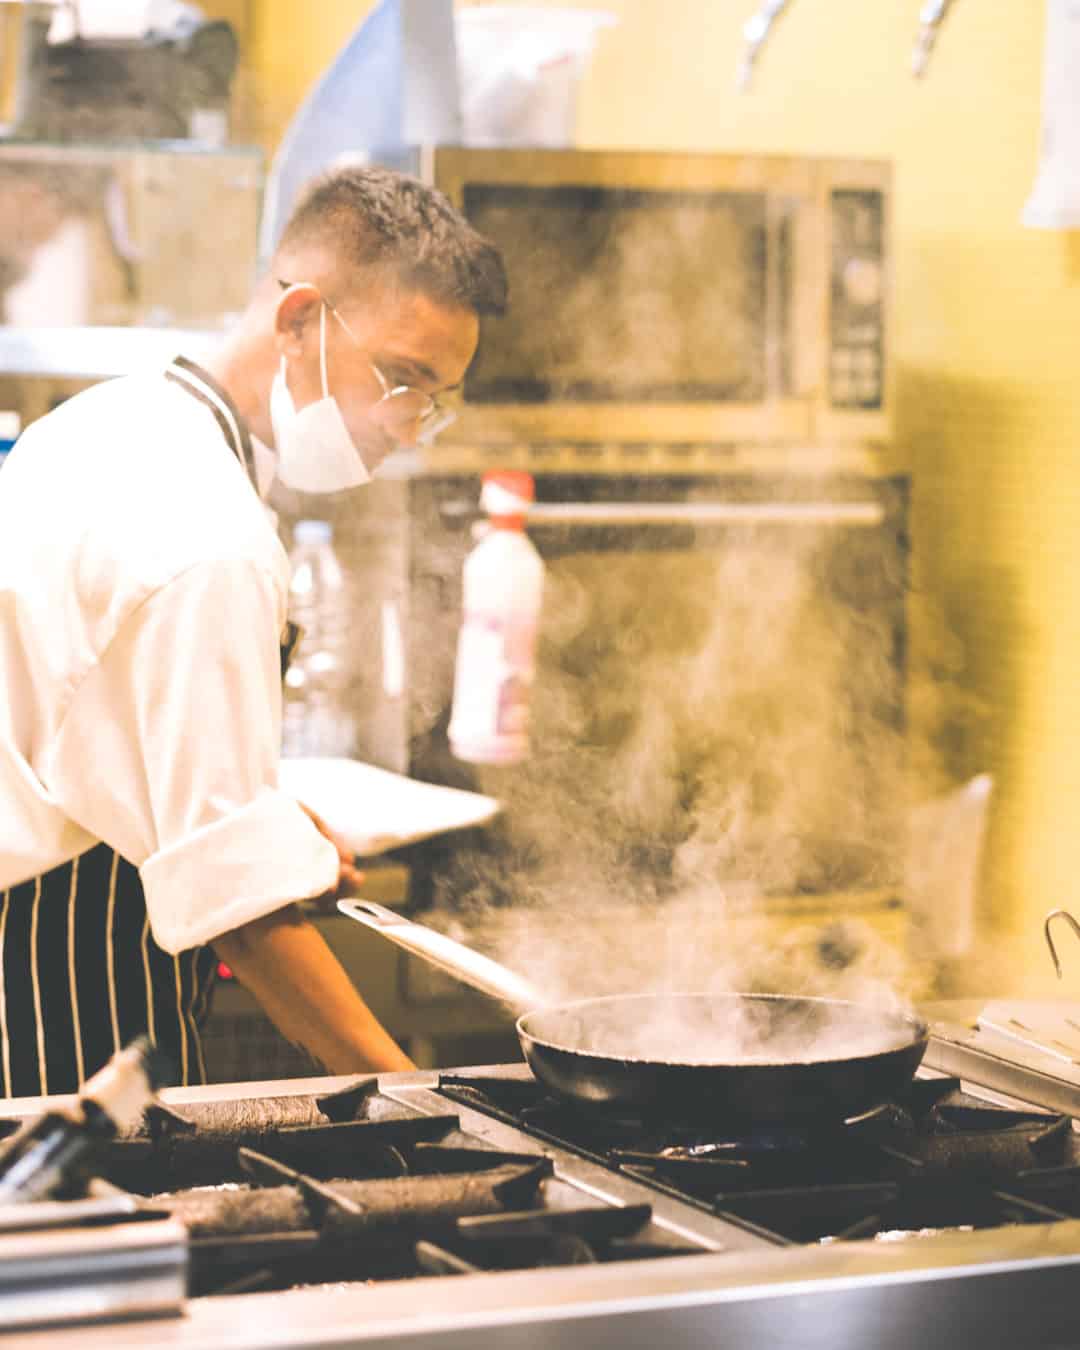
(1008, 1286)
(852, 1295)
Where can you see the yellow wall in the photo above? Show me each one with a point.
(290, 44)
(987, 339)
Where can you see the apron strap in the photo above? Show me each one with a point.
(201, 384)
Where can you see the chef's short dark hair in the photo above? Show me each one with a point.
(377, 218)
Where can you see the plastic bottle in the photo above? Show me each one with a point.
(48, 1156)
(316, 719)
(503, 590)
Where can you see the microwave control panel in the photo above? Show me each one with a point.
(857, 300)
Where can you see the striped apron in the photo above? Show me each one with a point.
(80, 972)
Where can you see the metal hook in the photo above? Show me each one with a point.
(1058, 914)
(755, 32)
(931, 17)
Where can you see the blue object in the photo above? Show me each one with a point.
(9, 434)
(392, 85)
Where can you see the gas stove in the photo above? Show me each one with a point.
(468, 1209)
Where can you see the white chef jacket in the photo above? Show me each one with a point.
(143, 590)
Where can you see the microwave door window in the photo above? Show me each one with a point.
(624, 295)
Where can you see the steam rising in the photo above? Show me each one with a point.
(718, 745)
(722, 1029)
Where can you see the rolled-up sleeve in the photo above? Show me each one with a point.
(168, 752)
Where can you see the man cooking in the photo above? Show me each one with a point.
(143, 595)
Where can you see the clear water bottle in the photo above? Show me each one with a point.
(503, 585)
(51, 1155)
(316, 718)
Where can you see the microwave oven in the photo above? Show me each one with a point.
(676, 299)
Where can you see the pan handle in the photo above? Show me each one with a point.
(472, 968)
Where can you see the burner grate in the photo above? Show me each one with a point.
(539, 1238)
(370, 1190)
(933, 1159)
(286, 1227)
(182, 1150)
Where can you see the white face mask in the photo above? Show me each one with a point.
(315, 452)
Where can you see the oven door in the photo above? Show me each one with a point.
(680, 298)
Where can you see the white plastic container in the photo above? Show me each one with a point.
(503, 592)
(316, 718)
(521, 67)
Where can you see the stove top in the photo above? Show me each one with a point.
(469, 1209)
(935, 1159)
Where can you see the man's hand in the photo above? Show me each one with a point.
(349, 875)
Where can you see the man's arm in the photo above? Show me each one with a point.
(183, 710)
(300, 984)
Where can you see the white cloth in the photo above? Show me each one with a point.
(142, 594)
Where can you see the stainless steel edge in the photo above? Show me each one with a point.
(64, 1213)
(953, 1051)
(74, 1275)
(847, 1296)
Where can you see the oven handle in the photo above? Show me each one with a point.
(706, 513)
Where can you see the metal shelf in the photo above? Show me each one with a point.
(98, 352)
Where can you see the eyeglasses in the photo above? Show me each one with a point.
(404, 404)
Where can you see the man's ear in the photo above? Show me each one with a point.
(296, 308)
